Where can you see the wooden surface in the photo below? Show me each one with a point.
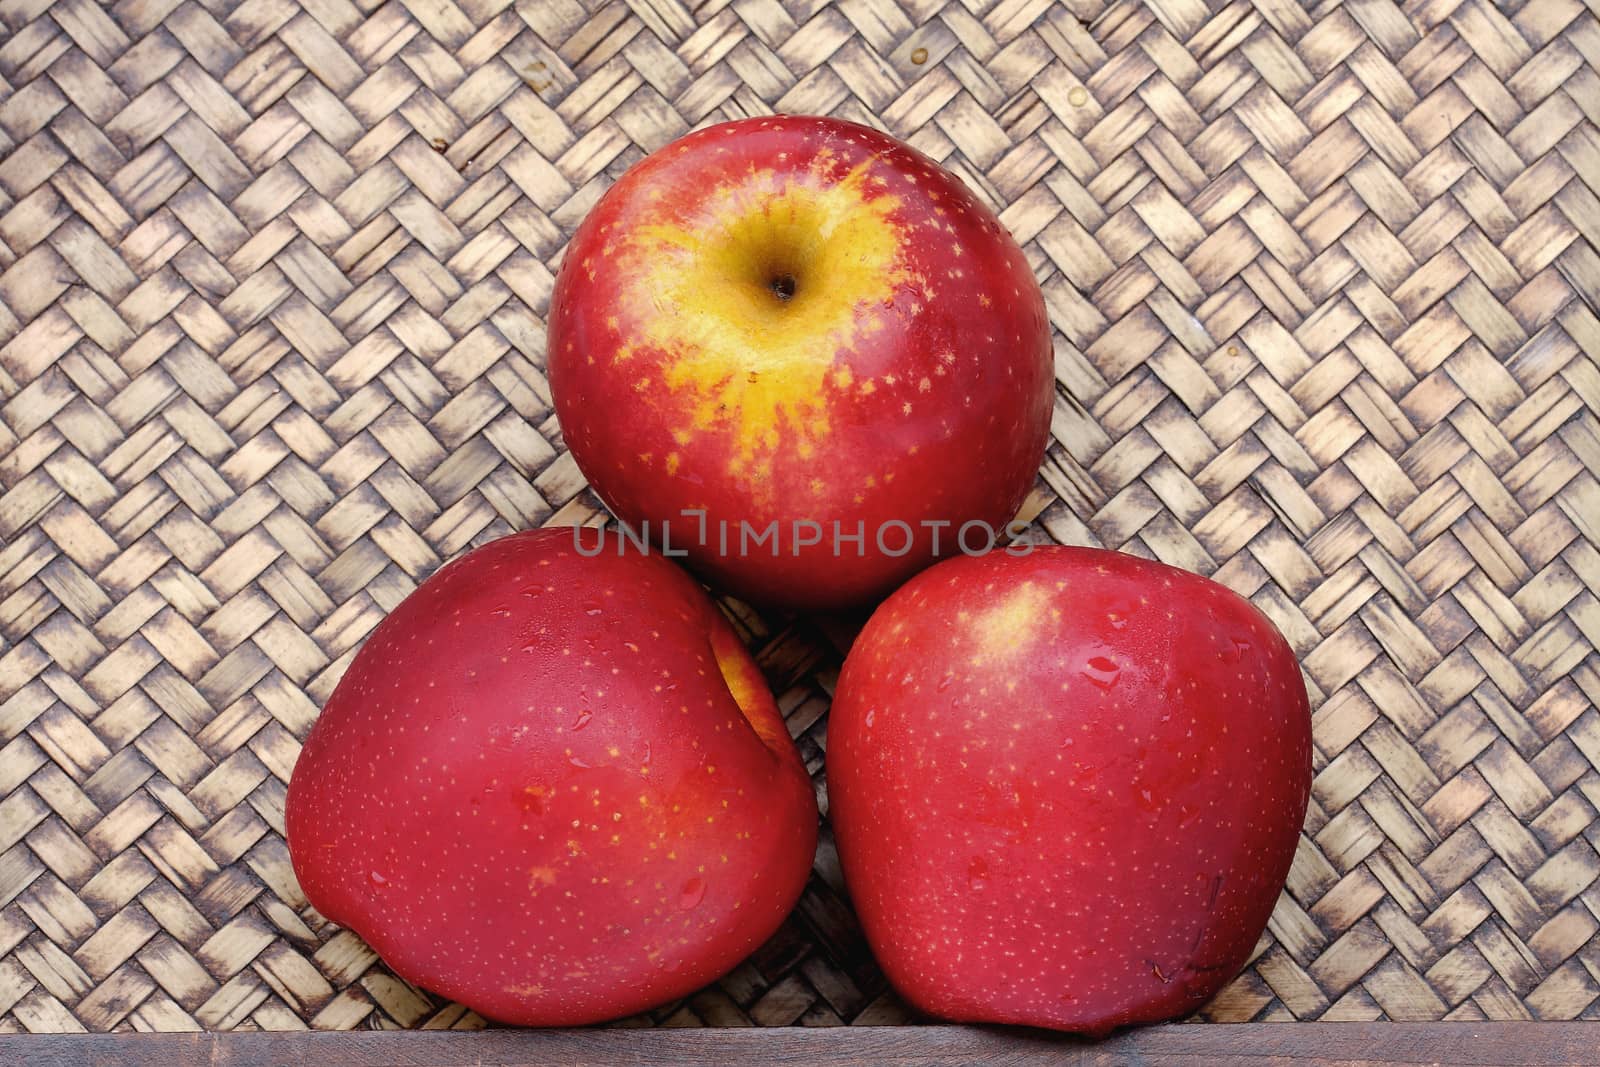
(1262, 1045)
(1324, 278)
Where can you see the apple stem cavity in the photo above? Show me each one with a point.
(783, 285)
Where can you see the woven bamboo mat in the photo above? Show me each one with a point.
(1325, 284)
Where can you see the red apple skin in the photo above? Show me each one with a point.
(908, 378)
(534, 791)
(1066, 786)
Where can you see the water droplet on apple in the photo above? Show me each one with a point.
(872, 713)
(946, 682)
(504, 613)
(978, 874)
(584, 715)
(1102, 671)
(531, 646)
(576, 762)
(532, 590)
(1232, 649)
(593, 607)
(694, 891)
(378, 879)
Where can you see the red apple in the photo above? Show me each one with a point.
(553, 787)
(1067, 786)
(795, 321)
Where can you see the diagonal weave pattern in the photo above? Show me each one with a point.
(1324, 279)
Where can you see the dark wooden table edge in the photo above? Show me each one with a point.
(1503, 1044)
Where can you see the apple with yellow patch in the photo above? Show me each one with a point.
(779, 334)
(1066, 786)
(554, 786)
